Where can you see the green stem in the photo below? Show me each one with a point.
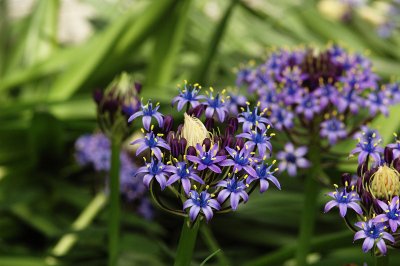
(187, 242)
(114, 210)
(212, 244)
(308, 215)
(382, 260)
(85, 218)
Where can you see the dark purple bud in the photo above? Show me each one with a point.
(221, 153)
(207, 143)
(229, 131)
(396, 164)
(138, 87)
(175, 148)
(168, 123)
(98, 95)
(228, 142)
(366, 199)
(359, 185)
(170, 137)
(377, 208)
(239, 143)
(233, 122)
(362, 168)
(191, 151)
(388, 155)
(182, 145)
(197, 111)
(209, 123)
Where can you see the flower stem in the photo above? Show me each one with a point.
(212, 243)
(382, 260)
(307, 221)
(187, 242)
(114, 210)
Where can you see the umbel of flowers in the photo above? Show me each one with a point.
(372, 193)
(323, 91)
(212, 161)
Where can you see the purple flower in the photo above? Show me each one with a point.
(368, 148)
(367, 134)
(391, 214)
(333, 129)
(234, 189)
(252, 119)
(395, 149)
(326, 94)
(308, 106)
(131, 187)
(184, 172)
(259, 139)
(378, 101)
(155, 169)
(148, 112)
(374, 234)
(281, 118)
(207, 159)
(344, 200)
(201, 202)
(94, 149)
(188, 95)
(264, 174)
(240, 160)
(215, 105)
(292, 158)
(152, 142)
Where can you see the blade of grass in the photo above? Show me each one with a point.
(201, 74)
(116, 39)
(167, 45)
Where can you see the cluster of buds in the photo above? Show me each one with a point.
(373, 193)
(117, 103)
(309, 92)
(213, 160)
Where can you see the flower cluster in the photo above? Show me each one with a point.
(309, 92)
(95, 150)
(373, 193)
(213, 160)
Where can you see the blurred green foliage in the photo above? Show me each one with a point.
(45, 104)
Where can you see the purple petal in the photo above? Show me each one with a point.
(263, 185)
(359, 235)
(141, 149)
(209, 112)
(355, 207)
(134, 116)
(147, 179)
(159, 119)
(234, 201)
(188, 203)
(223, 195)
(186, 185)
(342, 209)
(172, 179)
(214, 168)
(292, 170)
(161, 180)
(146, 122)
(368, 244)
(213, 203)
(330, 205)
(381, 246)
(208, 213)
(194, 211)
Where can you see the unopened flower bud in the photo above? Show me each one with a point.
(207, 144)
(388, 155)
(239, 143)
(234, 123)
(197, 111)
(210, 123)
(182, 146)
(191, 151)
(168, 124)
(175, 148)
(385, 183)
(193, 130)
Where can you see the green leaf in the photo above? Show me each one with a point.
(115, 40)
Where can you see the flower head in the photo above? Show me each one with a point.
(215, 105)
(252, 119)
(152, 142)
(343, 200)
(391, 213)
(148, 111)
(201, 202)
(374, 234)
(333, 129)
(368, 148)
(291, 158)
(189, 95)
(234, 189)
(207, 159)
(155, 169)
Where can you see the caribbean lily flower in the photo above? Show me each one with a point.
(292, 158)
(207, 159)
(252, 119)
(234, 189)
(374, 234)
(201, 202)
(264, 174)
(148, 112)
(184, 172)
(241, 159)
(344, 200)
(189, 95)
(155, 169)
(152, 142)
(215, 105)
(333, 129)
(259, 139)
(391, 213)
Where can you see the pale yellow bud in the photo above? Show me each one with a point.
(193, 130)
(385, 183)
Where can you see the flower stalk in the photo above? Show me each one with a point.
(382, 260)
(187, 242)
(114, 210)
(308, 216)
